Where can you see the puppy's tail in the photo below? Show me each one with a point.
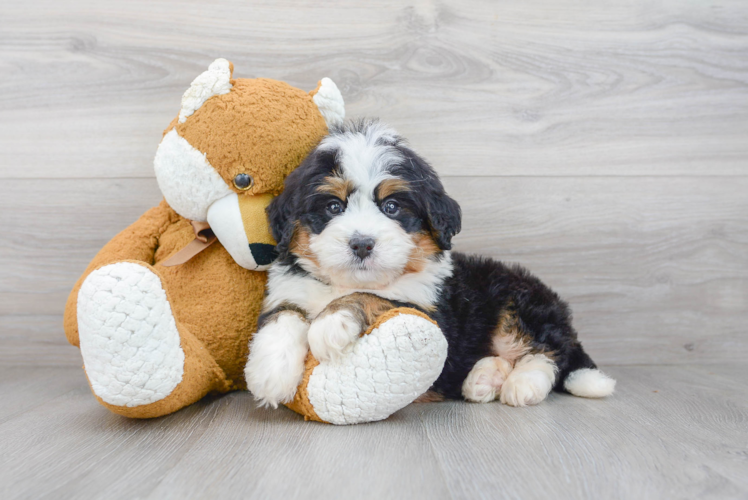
(582, 378)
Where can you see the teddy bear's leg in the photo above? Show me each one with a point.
(395, 361)
(139, 360)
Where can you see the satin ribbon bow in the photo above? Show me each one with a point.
(204, 238)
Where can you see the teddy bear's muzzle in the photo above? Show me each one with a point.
(240, 224)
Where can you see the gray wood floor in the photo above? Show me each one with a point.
(669, 432)
(602, 144)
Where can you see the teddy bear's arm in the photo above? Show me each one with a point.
(136, 243)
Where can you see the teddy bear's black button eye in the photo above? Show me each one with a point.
(243, 181)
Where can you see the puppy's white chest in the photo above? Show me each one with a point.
(301, 290)
(317, 301)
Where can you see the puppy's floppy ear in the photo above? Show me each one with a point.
(442, 213)
(444, 217)
(282, 214)
(291, 208)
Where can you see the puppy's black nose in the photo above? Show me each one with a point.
(361, 246)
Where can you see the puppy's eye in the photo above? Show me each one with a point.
(334, 208)
(391, 208)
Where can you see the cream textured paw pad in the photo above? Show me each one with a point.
(128, 337)
(380, 373)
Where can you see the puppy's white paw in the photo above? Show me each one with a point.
(530, 381)
(485, 380)
(331, 333)
(276, 359)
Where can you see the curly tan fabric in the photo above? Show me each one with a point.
(263, 128)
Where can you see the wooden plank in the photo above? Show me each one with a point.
(277, 455)
(36, 340)
(52, 231)
(236, 448)
(666, 433)
(79, 449)
(494, 89)
(640, 260)
(669, 431)
(25, 387)
(656, 269)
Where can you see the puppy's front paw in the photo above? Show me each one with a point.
(331, 333)
(276, 360)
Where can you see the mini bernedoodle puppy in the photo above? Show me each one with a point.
(364, 226)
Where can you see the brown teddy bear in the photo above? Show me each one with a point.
(164, 313)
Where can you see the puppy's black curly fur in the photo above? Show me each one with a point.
(468, 311)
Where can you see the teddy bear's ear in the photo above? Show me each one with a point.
(328, 99)
(215, 81)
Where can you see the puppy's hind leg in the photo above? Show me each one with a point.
(483, 383)
(534, 373)
(530, 381)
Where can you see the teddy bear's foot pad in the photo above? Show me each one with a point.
(128, 336)
(380, 373)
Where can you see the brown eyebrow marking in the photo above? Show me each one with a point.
(336, 186)
(391, 186)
